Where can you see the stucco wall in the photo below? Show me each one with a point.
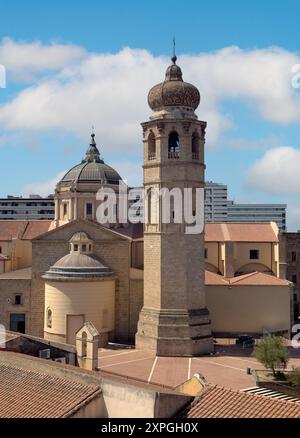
(127, 401)
(8, 289)
(90, 299)
(213, 256)
(248, 309)
(242, 250)
(239, 258)
(136, 303)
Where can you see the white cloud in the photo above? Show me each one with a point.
(131, 173)
(23, 60)
(110, 90)
(43, 188)
(276, 172)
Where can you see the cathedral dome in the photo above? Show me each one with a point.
(92, 169)
(173, 91)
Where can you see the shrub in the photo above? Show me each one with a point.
(271, 353)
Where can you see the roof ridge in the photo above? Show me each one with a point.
(25, 229)
(242, 277)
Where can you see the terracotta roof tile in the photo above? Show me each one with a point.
(29, 393)
(219, 402)
(258, 279)
(12, 229)
(241, 232)
(27, 230)
(250, 279)
(215, 279)
(35, 228)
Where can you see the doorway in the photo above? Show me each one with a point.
(74, 323)
(17, 322)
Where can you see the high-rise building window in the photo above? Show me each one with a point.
(254, 254)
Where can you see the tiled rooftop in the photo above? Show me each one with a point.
(220, 402)
(26, 392)
(250, 279)
(19, 274)
(18, 229)
(240, 232)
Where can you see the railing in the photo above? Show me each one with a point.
(151, 157)
(195, 156)
(173, 154)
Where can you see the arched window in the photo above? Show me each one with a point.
(84, 344)
(151, 146)
(195, 146)
(173, 145)
(49, 318)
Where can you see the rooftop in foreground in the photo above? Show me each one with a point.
(28, 390)
(220, 402)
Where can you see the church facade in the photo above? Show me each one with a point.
(143, 284)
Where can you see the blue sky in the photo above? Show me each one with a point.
(72, 64)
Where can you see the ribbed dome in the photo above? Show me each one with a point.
(78, 266)
(173, 91)
(92, 169)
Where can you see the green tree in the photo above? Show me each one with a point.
(271, 353)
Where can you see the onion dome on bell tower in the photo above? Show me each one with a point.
(173, 92)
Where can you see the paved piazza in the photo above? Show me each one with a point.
(227, 367)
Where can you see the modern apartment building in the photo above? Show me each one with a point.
(32, 208)
(215, 202)
(257, 213)
(218, 208)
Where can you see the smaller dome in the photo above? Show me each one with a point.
(78, 267)
(173, 91)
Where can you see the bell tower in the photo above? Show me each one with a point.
(174, 320)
